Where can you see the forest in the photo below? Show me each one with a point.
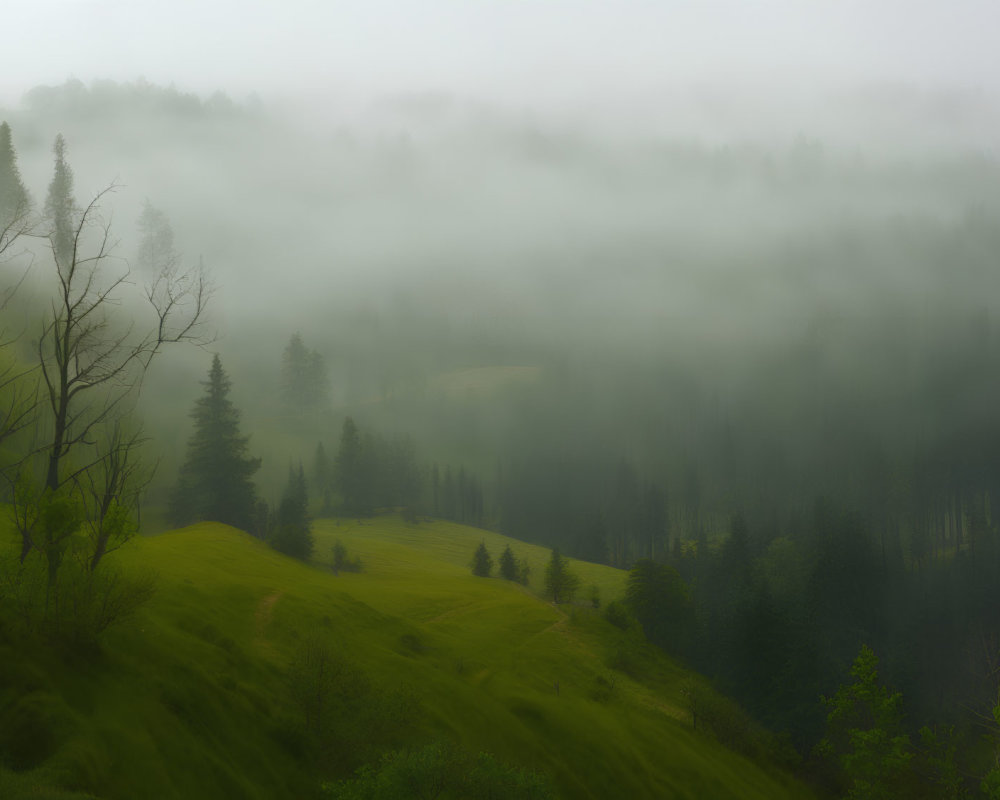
(762, 377)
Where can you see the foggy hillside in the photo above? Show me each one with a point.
(707, 296)
(761, 267)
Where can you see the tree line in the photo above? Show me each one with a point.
(778, 622)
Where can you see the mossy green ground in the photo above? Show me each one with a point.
(191, 698)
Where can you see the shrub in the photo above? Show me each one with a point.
(618, 615)
(341, 561)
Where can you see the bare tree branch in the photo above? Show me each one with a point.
(80, 352)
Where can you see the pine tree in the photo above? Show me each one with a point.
(156, 243)
(508, 564)
(293, 531)
(14, 198)
(215, 480)
(559, 581)
(349, 470)
(60, 206)
(303, 375)
(482, 561)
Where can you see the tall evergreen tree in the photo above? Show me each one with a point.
(60, 206)
(482, 561)
(156, 241)
(293, 531)
(559, 581)
(508, 564)
(14, 198)
(303, 375)
(215, 480)
(349, 469)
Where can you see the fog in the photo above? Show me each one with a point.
(421, 192)
(654, 280)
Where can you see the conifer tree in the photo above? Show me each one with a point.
(350, 471)
(559, 581)
(303, 375)
(215, 480)
(482, 561)
(60, 207)
(14, 199)
(156, 243)
(292, 534)
(508, 564)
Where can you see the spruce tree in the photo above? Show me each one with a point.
(482, 561)
(14, 199)
(303, 375)
(292, 534)
(156, 252)
(60, 207)
(349, 471)
(215, 480)
(508, 564)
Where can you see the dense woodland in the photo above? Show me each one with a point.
(786, 426)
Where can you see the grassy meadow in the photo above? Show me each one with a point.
(199, 694)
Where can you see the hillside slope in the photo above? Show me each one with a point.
(200, 695)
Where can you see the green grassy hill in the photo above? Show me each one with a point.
(200, 695)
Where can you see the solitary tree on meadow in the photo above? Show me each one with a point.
(215, 480)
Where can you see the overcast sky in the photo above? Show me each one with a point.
(506, 48)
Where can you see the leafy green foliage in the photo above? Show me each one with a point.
(864, 733)
(658, 598)
(342, 562)
(347, 720)
(935, 763)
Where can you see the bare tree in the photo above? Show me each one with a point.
(93, 356)
(92, 362)
(111, 490)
